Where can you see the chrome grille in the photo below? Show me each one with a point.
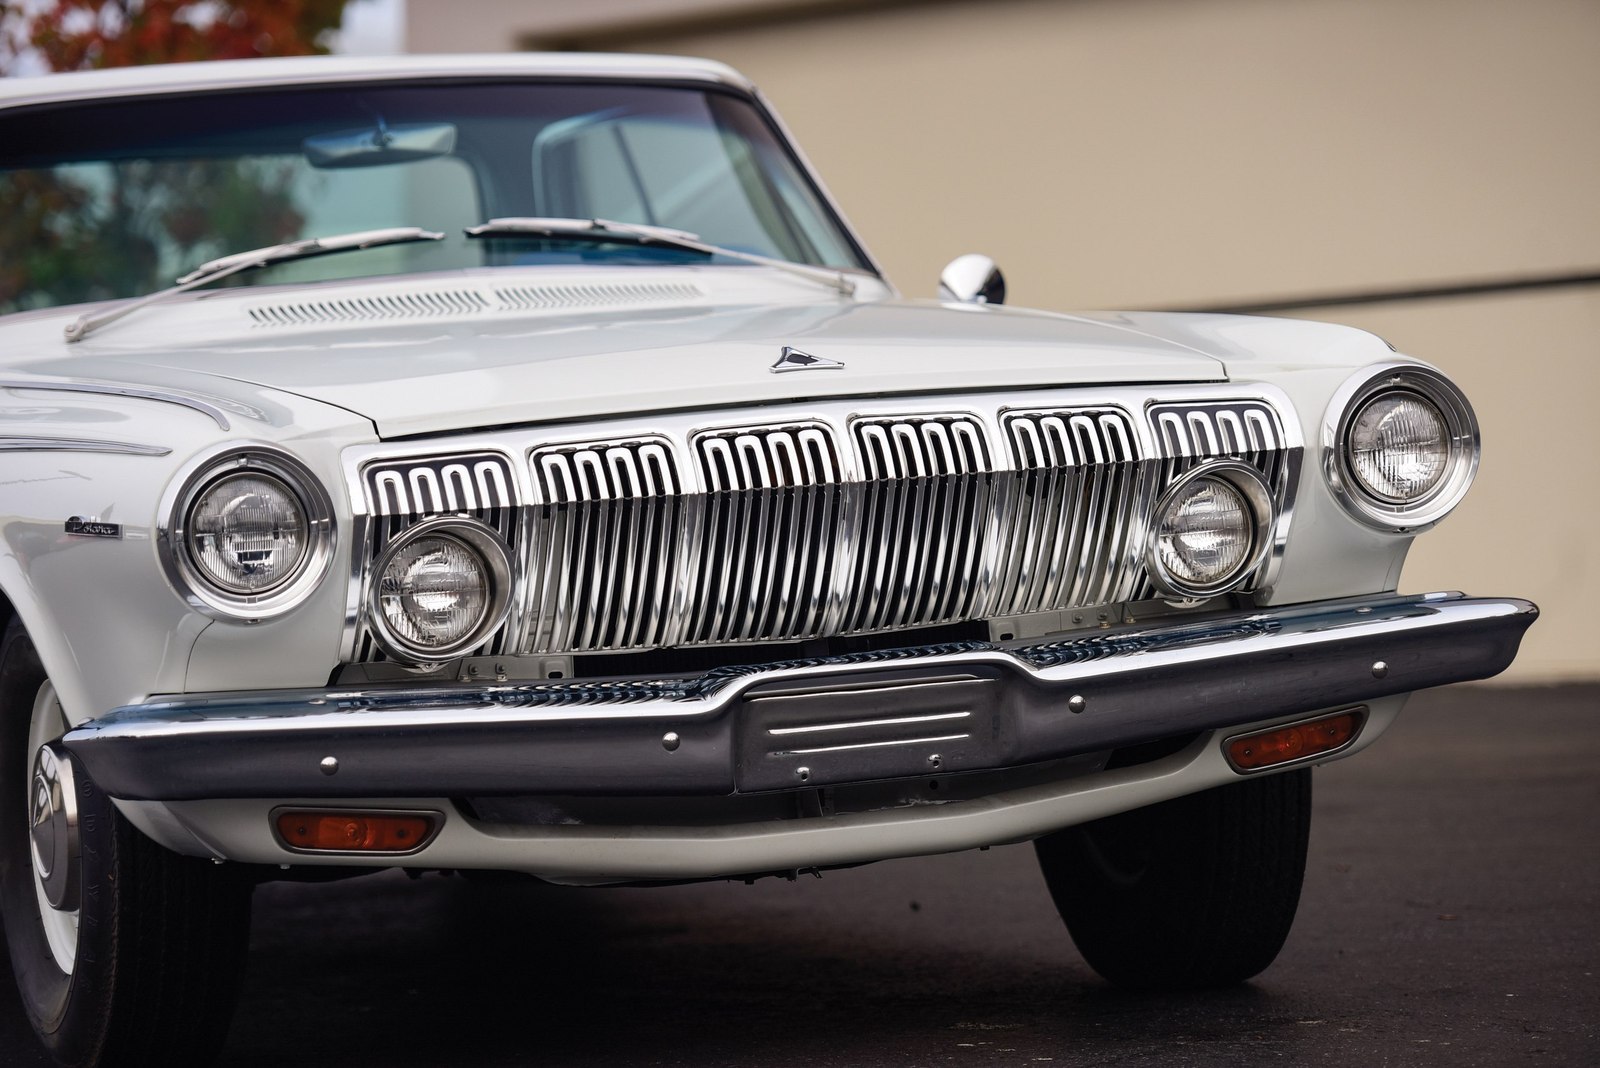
(1188, 435)
(402, 494)
(765, 552)
(839, 522)
(920, 524)
(607, 544)
(1069, 532)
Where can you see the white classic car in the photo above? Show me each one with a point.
(556, 486)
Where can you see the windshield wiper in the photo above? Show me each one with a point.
(642, 234)
(211, 271)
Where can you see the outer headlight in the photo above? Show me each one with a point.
(1211, 529)
(439, 589)
(249, 533)
(1400, 447)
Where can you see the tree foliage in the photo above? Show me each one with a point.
(87, 34)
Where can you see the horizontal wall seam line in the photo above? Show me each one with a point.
(1386, 296)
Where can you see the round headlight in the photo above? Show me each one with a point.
(1400, 447)
(1210, 529)
(439, 589)
(249, 533)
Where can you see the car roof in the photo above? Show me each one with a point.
(308, 70)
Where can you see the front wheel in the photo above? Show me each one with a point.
(124, 953)
(1199, 891)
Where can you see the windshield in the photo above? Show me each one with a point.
(102, 200)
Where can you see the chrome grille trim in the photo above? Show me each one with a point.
(824, 518)
(607, 544)
(402, 493)
(922, 521)
(771, 504)
(1072, 511)
(1192, 433)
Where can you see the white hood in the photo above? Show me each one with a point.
(708, 343)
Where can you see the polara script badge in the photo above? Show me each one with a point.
(92, 528)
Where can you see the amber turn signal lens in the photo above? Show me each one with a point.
(355, 832)
(1252, 752)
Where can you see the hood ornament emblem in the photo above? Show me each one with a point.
(793, 359)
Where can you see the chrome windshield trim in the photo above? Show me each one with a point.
(26, 443)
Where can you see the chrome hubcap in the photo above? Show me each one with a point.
(54, 822)
(53, 829)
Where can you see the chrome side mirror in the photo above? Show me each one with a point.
(972, 279)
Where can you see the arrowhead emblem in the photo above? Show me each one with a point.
(793, 359)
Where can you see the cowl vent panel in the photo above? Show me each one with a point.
(417, 305)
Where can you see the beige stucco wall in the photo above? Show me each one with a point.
(1171, 153)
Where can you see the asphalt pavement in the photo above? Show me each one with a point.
(1451, 916)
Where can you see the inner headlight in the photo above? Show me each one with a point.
(440, 589)
(1400, 447)
(248, 534)
(1210, 530)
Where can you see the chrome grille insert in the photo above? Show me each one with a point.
(401, 494)
(1070, 535)
(607, 545)
(764, 547)
(921, 523)
(825, 519)
(1188, 435)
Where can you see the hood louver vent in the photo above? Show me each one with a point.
(526, 298)
(423, 305)
(449, 303)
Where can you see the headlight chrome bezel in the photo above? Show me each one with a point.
(1258, 498)
(174, 533)
(1462, 445)
(498, 562)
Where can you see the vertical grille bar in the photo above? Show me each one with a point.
(769, 541)
(1075, 490)
(923, 496)
(608, 520)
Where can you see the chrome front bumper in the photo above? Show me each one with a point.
(905, 712)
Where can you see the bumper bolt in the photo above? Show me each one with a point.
(803, 774)
(670, 741)
(1380, 670)
(1076, 703)
(935, 761)
(329, 765)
